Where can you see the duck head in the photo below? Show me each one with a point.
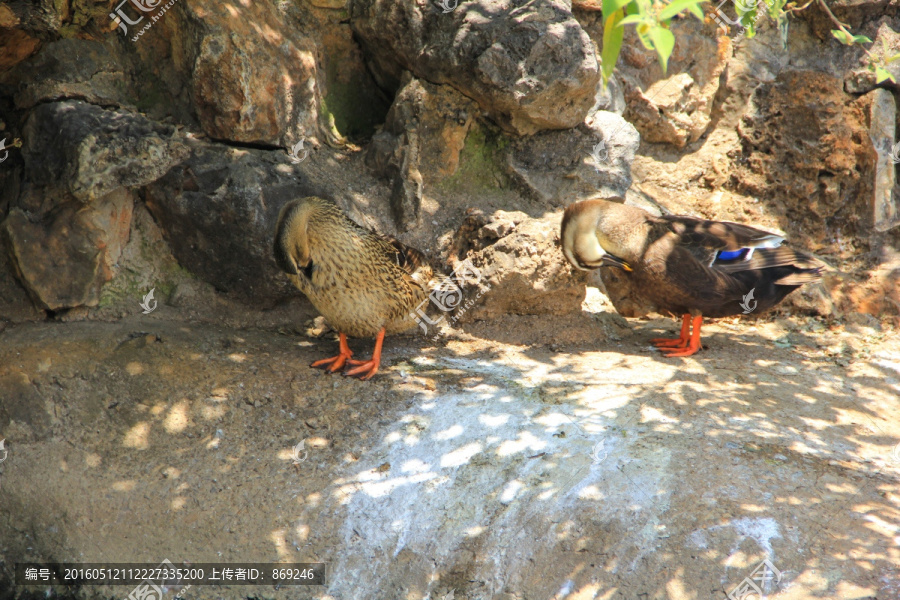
(598, 232)
(291, 237)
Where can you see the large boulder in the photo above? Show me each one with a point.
(254, 76)
(674, 107)
(560, 167)
(803, 138)
(423, 134)
(64, 259)
(520, 267)
(529, 65)
(84, 151)
(71, 217)
(218, 209)
(71, 68)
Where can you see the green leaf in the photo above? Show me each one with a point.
(674, 8)
(697, 11)
(842, 36)
(664, 42)
(883, 75)
(632, 19)
(642, 30)
(611, 6)
(891, 59)
(861, 39)
(612, 44)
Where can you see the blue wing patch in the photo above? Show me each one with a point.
(731, 255)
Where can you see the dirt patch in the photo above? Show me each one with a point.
(569, 468)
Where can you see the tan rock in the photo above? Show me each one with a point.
(522, 270)
(255, 78)
(424, 132)
(64, 260)
(333, 4)
(805, 141)
(15, 45)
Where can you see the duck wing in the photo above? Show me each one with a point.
(805, 268)
(413, 262)
(713, 241)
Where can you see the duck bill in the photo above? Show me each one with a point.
(609, 260)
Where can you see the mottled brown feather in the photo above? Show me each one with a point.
(672, 258)
(358, 280)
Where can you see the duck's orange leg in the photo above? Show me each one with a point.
(679, 342)
(692, 346)
(336, 362)
(367, 368)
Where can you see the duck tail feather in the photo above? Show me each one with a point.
(801, 277)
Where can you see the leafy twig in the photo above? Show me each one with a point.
(841, 26)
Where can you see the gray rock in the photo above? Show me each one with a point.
(531, 67)
(423, 134)
(610, 98)
(83, 150)
(673, 107)
(72, 68)
(217, 211)
(882, 122)
(560, 167)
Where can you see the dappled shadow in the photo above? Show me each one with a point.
(465, 466)
(803, 483)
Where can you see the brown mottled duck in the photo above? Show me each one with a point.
(364, 284)
(685, 265)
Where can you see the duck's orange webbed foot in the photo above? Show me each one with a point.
(692, 346)
(366, 369)
(334, 364)
(679, 342)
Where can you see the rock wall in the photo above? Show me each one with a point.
(414, 117)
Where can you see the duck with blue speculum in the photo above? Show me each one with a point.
(685, 265)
